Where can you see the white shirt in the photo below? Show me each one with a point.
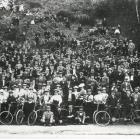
(31, 97)
(21, 8)
(1, 98)
(32, 22)
(46, 99)
(101, 98)
(16, 93)
(6, 95)
(41, 91)
(89, 98)
(76, 93)
(56, 98)
(117, 31)
(23, 92)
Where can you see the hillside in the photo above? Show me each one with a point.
(121, 12)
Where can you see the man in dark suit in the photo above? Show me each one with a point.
(127, 103)
(112, 102)
(70, 115)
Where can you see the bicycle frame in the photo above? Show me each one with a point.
(95, 112)
(121, 117)
(0, 107)
(9, 108)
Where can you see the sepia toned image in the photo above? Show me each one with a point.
(69, 67)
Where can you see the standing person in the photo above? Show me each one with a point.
(12, 101)
(105, 81)
(56, 101)
(15, 91)
(76, 94)
(45, 99)
(126, 85)
(136, 98)
(6, 93)
(73, 81)
(2, 102)
(117, 31)
(112, 102)
(23, 90)
(127, 103)
(93, 84)
(131, 48)
(82, 95)
(81, 78)
(30, 99)
(65, 89)
(41, 91)
(71, 97)
(88, 104)
(67, 23)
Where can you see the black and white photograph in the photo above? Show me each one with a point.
(69, 67)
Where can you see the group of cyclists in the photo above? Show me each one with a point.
(69, 85)
(64, 80)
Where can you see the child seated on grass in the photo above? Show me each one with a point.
(80, 116)
(48, 116)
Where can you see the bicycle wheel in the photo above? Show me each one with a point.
(102, 118)
(20, 117)
(94, 116)
(135, 117)
(32, 118)
(6, 117)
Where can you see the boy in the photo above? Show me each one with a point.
(70, 115)
(48, 116)
(80, 116)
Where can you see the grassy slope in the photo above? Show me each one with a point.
(79, 6)
(54, 6)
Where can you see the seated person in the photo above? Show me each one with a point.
(70, 115)
(80, 116)
(48, 116)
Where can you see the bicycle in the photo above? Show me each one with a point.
(135, 117)
(34, 116)
(6, 117)
(20, 115)
(101, 117)
(118, 116)
(95, 113)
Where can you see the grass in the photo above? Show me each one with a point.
(80, 7)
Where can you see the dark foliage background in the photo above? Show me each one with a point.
(86, 12)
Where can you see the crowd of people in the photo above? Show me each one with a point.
(102, 68)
